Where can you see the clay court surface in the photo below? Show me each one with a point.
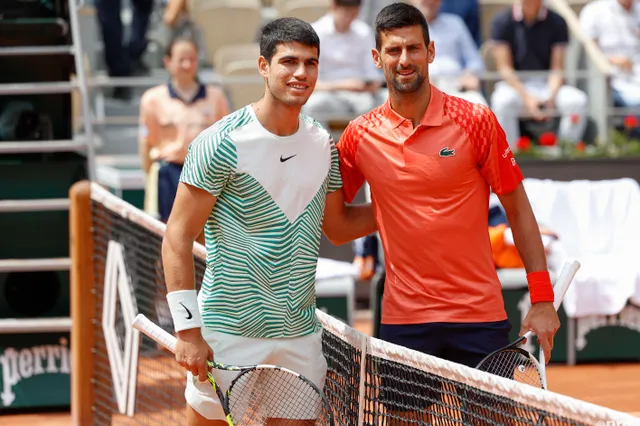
(614, 386)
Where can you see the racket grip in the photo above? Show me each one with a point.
(528, 335)
(569, 270)
(147, 327)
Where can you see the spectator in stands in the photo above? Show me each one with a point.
(457, 62)
(349, 84)
(615, 26)
(124, 61)
(171, 116)
(530, 37)
(469, 11)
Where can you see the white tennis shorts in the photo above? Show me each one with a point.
(300, 354)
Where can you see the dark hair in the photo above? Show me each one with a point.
(286, 30)
(348, 3)
(400, 15)
(179, 39)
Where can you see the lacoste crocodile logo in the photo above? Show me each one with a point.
(446, 152)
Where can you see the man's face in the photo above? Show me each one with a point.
(429, 8)
(404, 58)
(343, 16)
(292, 73)
(183, 62)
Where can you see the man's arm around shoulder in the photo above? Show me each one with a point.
(343, 223)
(189, 214)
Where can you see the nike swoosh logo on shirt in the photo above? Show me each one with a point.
(282, 160)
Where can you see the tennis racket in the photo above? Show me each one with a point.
(259, 392)
(516, 363)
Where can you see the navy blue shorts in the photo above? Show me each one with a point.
(463, 343)
(168, 179)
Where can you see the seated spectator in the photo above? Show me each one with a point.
(369, 10)
(171, 116)
(469, 11)
(615, 26)
(530, 37)
(458, 62)
(348, 81)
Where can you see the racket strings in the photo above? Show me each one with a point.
(513, 364)
(261, 394)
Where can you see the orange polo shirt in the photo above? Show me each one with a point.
(430, 189)
(169, 123)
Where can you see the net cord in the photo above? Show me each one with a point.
(129, 212)
(527, 395)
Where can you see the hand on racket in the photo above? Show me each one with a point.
(259, 392)
(542, 320)
(192, 352)
(515, 363)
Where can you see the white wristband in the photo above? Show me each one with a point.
(183, 305)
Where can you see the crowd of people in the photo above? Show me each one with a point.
(526, 36)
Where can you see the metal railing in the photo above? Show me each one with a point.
(596, 75)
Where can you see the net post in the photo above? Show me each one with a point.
(82, 303)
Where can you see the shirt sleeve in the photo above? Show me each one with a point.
(500, 28)
(496, 161)
(589, 21)
(335, 179)
(561, 31)
(352, 178)
(210, 163)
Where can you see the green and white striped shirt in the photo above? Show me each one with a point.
(263, 235)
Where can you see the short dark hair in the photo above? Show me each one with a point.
(348, 3)
(400, 15)
(286, 30)
(187, 38)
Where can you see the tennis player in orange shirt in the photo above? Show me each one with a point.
(431, 160)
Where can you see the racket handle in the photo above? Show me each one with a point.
(147, 327)
(564, 280)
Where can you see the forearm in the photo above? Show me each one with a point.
(177, 257)
(555, 82)
(360, 221)
(357, 221)
(526, 235)
(510, 77)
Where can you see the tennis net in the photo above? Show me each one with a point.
(123, 378)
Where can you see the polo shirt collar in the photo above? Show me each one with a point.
(200, 94)
(516, 12)
(432, 116)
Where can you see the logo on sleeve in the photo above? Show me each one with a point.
(446, 152)
(505, 155)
